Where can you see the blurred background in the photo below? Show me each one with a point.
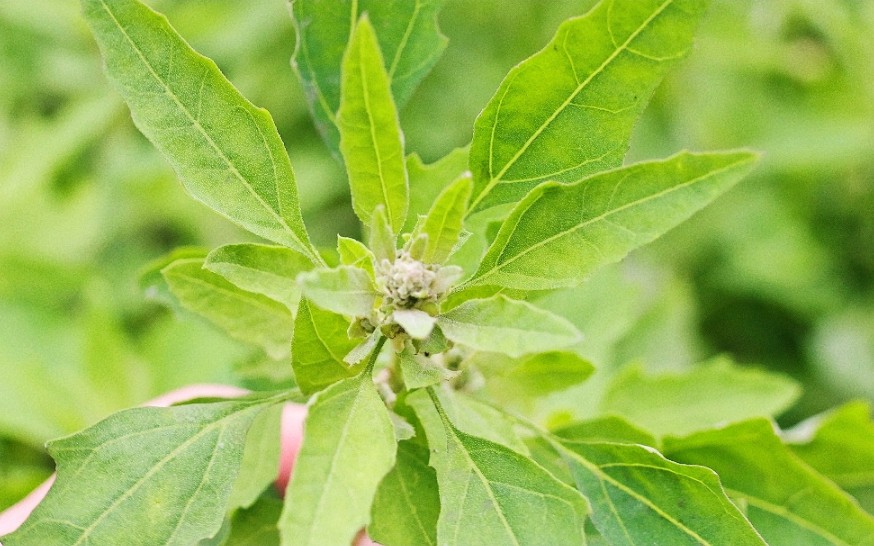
(778, 274)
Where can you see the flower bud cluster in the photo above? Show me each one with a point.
(408, 283)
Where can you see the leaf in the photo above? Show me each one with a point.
(492, 495)
(532, 376)
(427, 181)
(559, 233)
(418, 371)
(380, 237)
(610, 429)
(355, 253)
(787, 501)
(345, 290)
(568, 111)
(409, 39)
(171, 473)
(226, 151)
(416, 323)
(246, 316)
(259, 465)
(407, 505)
(349, 445)
(638, 497)
(370, 133)
(444, 222)
(501, 325)
(151, 281)
(319, 345)
(708, 395)
(256, 526)
(263, 269)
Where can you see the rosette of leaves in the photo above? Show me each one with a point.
(397, 347)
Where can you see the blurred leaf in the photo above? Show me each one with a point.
(345, 290)
(533, 376)
(609, 429)
(319, 346)
(152, 281)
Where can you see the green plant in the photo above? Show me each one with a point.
(417, 351)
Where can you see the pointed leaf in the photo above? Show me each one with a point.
(427, 181)
(263, 269)
(568, 111)
(416, 323)
(560, 233)
(381, 238)
(355, 253)
(246, 316)
(787, 501)
(320, 343)
(345, 290)
(639, 497)
(370, 133)
(226, 151)
(501, 325)
(418, 371)
(171, 473)
(445, 221)
(259, 465)
(349, 445)
(609, 428)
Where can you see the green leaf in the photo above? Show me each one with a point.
(533, 376)
(345, 290)
(444, 222)
(263, 269)
(226, 151)
(246, 316)
(355, 253)
(256, 526)
(492, 495)
(319, 345)
(370, 132)
(559, 233)
(568, 111)
(151, 281)
(609, 429)
(171, 473)
(418, 371)
(427, 181)
(408, 36)
(708, 395)
(501, 325)
(380, 237)
(416, 323)
(787, 501)
(407, 504)
(638, 496)
(349, 445)
(260, 463)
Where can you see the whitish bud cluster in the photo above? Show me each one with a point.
(406, 283)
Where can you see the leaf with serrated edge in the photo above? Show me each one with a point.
(226, 151)
(569, 110)
(501, 325)
(638, 496)
(319, 345)
(370, 132)
(345, 290)
(787, 501)
(171, 472)
(246, 316)
(263, 269)
(348, 446)
(559, 233)
(445, 220)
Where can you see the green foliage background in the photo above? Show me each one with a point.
(779, 273)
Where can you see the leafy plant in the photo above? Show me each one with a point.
(422, 350)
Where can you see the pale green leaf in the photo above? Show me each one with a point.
(787, 501)
(319, 345)
(708, 395)
(360, 351)
(345, 290)
(416, 323)
(492, 495)
(639, 497)
(263, 269)
(259, 466)
(370, 133)
(445, 220)
(380, 237)
(559, 233)
(501, 325)
(166, 472)
(226, 151)
(349, 445)
(152, 282)
(610, 429)
(246, 316)
(355, 253)
(531, 376)
(408, 37)
(568, 111)
(418, 371)
(427, 181)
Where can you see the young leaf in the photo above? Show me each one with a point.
(559, 233)
(491, 495)
(319, 345)
(407, 505)
(708, 395)
(501, 325)
(263, 269)
(370, 133)
(427, 181)
(568, 111)
(408, 36)
(355, 253)
(416, 323)
(381, 238)
(787, 501)
(444, 222)
(419, 372)
(345, 290)
(226, 151)
(246, 316)
(638, 497)
(171, 472)
(349, 445)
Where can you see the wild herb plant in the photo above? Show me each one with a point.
(416, 348)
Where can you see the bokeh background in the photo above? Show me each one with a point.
(778, 274)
